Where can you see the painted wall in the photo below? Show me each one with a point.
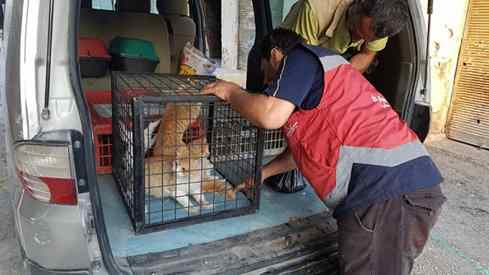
(230, 34)
(246, 32)
(447, 31)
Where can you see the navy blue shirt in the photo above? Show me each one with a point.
(300, 81)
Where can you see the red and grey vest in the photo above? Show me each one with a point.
(353, 148)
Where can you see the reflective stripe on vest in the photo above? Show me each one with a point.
(373, 156)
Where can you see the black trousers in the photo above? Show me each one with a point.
(385, 238)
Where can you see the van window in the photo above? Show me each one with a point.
(154, 8)
(233, 54)
(280, 9)
(110, 5)
(103, 5)
(212, 18)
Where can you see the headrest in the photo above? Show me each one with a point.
(143, 6)
(179, 7)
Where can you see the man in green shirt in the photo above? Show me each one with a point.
(363, 25)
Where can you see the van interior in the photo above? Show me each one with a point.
(169, 29)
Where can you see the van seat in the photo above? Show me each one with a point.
(181, 27)
(106, 25)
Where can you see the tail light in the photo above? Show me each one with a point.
(45, 171)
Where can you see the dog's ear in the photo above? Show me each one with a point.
(193, 132)
(187, 136)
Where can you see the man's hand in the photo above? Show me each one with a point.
(222, 89)
(282, 163)
(261, 110)
(246, 184)
(362, 60)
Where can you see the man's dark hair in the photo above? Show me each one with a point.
(389, 16)
(283, 39)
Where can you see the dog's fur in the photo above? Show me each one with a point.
(177, 169)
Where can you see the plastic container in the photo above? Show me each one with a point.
(133, 55)
(94, 57)
(102, 129)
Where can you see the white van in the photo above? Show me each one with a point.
(79, 225)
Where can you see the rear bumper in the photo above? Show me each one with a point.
(300, 246)
(31, 268)
(51, 235)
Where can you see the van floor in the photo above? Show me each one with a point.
(275, 209)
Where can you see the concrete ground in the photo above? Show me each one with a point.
(460, 241)
(458, 244)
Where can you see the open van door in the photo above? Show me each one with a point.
(420, 115)
(405, 62)
(263, 25)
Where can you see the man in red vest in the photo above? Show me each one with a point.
(361, 159)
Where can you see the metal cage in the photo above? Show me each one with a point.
(178, 156)
(274, 143)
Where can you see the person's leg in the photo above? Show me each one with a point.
(420, 211)
(356, 240)
(386, 237)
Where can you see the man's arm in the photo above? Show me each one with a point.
(264, 111)
(363, 59)
(281, 164)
